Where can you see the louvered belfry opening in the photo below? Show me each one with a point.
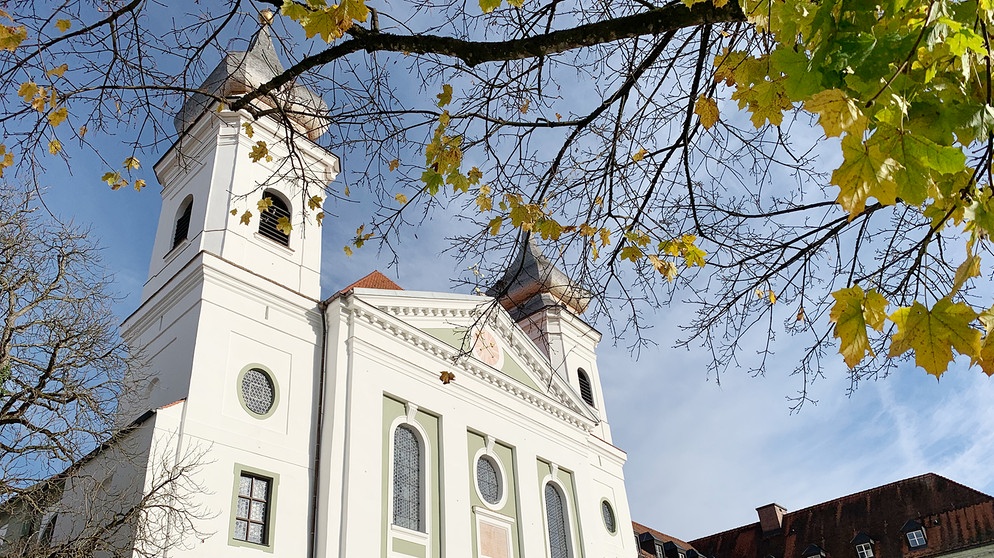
(269, 220)
(586, 391)
(182, 231)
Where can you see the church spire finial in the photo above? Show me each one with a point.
(533, 282)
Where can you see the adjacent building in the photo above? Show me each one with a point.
(919, 517)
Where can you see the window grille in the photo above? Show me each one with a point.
(556, 519)
(252, 514)
(608, 514)
(183, 222)
(864, 550)
(270, 219)
(586, 391)
(488, 480)
(916, 538)
(258, 391)
(407, 479)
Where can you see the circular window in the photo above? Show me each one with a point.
(258, 392)
(488, 479)
(608, 513)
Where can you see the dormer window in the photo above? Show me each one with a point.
(660, 553)
(863, 544)
(586, 390)
(916, 538)
(275, 219)
(813, 551)
(915, 533)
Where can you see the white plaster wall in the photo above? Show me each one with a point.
(377, 361)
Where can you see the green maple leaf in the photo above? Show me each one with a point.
(863, 173)
(854, 311)
(489, 5)
(933, 334)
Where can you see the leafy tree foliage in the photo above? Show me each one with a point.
(824, 165)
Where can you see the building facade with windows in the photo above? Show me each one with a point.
(919, 517)
(378, 422)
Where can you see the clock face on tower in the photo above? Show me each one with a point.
(487, 349)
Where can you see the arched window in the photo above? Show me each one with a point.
(586, 391)
(408, 483)
(182, 230)
(555, 513)
(269, 221)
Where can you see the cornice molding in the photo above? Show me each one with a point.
(386, 319)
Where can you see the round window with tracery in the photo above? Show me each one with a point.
(258, 391)
(488, 480)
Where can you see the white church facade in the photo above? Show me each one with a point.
(377, 422)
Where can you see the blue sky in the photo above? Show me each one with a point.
(702, 456)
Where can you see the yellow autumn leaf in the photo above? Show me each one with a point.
(707, 109)
(57, 71)
(966, 271)
(319, 217)
(246, 218)
(283, 225)
(494, 226)
(54, 147)
(933, 334)
(249, 130)
(489, 5)
(58, 116)
(348, 251)
(132, 163)
(446, 377)
(605, 236)
(837, 113)
(986, 360)
(445, 97)
(264, 204)
(63, 24)
(234, 212)
(864, 173)
(315, 202)
(139, 184)
(111, 177)
(27, 90)
(771, 296)
(394, 164)
(854, 311)
(664, 267)
(524, 106)
(401, 198)
(12, 36)
(639, 155)
(259, 151)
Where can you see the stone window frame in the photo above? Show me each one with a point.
(272, 379)
(270, 526)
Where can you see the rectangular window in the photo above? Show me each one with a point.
(864, 550)
(252, 510)
(916, 539)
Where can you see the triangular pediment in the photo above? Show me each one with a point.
(464, 323)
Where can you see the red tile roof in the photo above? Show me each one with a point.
(659, 536)
(374, 280)
(955, 517)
